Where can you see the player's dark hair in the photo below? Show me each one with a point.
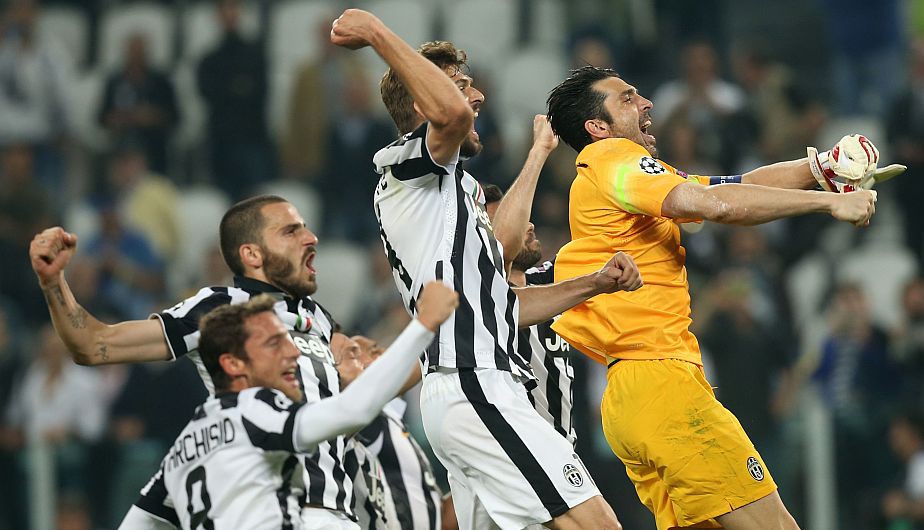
(397, 98)
(242, 224)
(492, 193)
(574, 101)
(223, 330)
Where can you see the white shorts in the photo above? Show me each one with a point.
(324, 519)
(505, 461)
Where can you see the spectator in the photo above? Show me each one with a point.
(56, 399)
(233, 81)
(904, 507)
(857, 379)
(782, 119)
(130, 274)
(139, 104)
(315, 102)
(749, 353)
(352, 141)
(25, 207)
(12, 496)
(866, 44)
(145, 200)
(905, 127)
(703, 97)
(908, 341)
(34, 78)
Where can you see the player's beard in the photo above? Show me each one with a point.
(528, 257)
(283, 274)
(469, 148)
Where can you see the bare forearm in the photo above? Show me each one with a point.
(515, 208)
(744, 204)
(74, 325)
(794, 174)
(92, 342)
(432, 90)
(543, 302)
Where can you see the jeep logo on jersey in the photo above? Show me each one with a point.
(650, 165)
(755, 469)
(573, 475)
(312, 345)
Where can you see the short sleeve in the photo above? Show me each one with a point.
(154, 501)
(181, 322)
(269, 419)
(408, 160)
(637, 184)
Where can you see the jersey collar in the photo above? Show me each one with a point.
(257, 286)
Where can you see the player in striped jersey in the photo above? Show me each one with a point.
(374, 506)
(508, 467)
(416, 497)
(266, 244)
(548, 355)
(233, 465)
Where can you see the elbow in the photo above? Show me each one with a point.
(457, 117)
(83, 358)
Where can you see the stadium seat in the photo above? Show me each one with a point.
(201, 31)
(882, 269)
(155, 21)
(86, 96)
(294, 30)
(483, 28)
(68, 28)
(869, 126)
(522, 88)
(548, 26)
(192, 109)
(343, 278)
(302, 196)
(201, 209)
(410, 19)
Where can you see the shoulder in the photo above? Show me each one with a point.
(612, 152)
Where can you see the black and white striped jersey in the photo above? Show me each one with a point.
(433, 226)
(549, 357)
(375, 508)
(414, 493)
(232, 466)
(310, 327)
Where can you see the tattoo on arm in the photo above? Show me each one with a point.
(58, 295)
(102, 351)
(78, 318)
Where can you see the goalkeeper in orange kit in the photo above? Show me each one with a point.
(690, 460)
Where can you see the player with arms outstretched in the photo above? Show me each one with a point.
(691, 462)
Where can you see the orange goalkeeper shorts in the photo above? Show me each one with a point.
(688, 456)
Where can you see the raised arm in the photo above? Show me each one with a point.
(90, 341)
(543, 302)
(746, 204)
(514, 210)
(435, 95)
(358, 405)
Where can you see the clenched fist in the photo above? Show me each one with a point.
(855, 207)
(49, 252)
(619, 274)
(354, 29)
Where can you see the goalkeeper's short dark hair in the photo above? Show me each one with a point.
(574, 101)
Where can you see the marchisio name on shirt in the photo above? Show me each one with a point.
(200, 442)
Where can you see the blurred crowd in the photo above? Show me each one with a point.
(786, 310)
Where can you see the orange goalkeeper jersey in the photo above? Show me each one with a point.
(615, 205)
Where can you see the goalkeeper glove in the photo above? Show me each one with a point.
(853, 160)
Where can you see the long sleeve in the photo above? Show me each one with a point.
(358, 405)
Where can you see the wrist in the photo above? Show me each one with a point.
(431, 326)
(540, 150)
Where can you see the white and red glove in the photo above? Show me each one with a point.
(850, 165)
